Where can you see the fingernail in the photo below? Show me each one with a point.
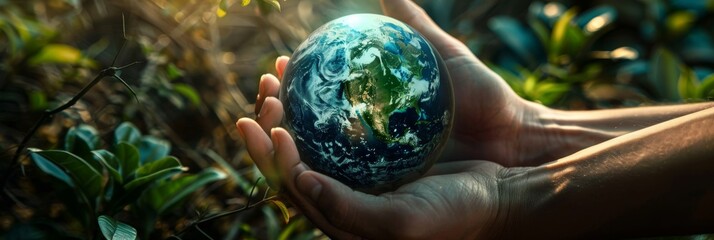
(263, 110)
(309, 186)
(240, 132)
(275, 139)
(261, 86)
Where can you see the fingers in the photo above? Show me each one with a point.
(413, 15)
(271, 114)
(269, 86)
(366, 215)
(260, 148)
(280, 65)
(288, 162)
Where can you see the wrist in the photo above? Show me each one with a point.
(518, 194)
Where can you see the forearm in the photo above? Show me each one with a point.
(566, 132)
(656, 181)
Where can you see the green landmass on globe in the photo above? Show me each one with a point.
(368, 101)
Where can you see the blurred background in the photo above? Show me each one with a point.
(198, 71)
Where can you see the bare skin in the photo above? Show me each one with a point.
(607, 162)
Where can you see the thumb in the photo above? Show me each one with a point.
(361, 214)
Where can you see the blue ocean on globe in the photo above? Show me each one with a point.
(368, 101)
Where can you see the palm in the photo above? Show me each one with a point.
(487, 110)
(459, 197)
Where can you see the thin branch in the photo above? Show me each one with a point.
(202, 232)
(107, 72)
(247, 206)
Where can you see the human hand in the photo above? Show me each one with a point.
(453, 200)
(491, 122)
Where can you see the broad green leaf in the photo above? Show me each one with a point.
(706, 88)
(115, 230)
(687, 84)
(81, 140)
(166, 194)
(56, 53)
(154, 171)
(664, 75)
(127, 132)
(541, 32)
(283, 209)
(85, 177)
(517, 38)
(110, 162)
(574, 40)
(245, 3)
(189, 92)
(50, 168)
(558, 35)
(128, 157)
(152, 148)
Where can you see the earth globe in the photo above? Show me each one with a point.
(368, 101)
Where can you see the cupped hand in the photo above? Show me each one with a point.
(491, 121)
(454, 199)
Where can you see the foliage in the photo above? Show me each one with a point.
(199, 71)
(563, 51)
(136, 171)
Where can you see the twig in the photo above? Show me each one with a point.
(107, 72)
(247, 206)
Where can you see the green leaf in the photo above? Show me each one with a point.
(128, 157)
(81, 140)
(517, 38)
(664, 75)
(529, 86)
(115, 230)
(513, 80)
(558, 35)
(174, 72)
(38, 100)
(152, 148)
(127, 132)
(110, 162)
(283, 209)
(541, 31)
(574, 40)
(167, 193)
(706, 88)
(548, 92)
(50, 168)
(188, 92)
(687, 84)
(154, 171)
(273, 3)
(56, 53)
(85, 177)
(680, 22)
(221, 11)
(245, 3)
